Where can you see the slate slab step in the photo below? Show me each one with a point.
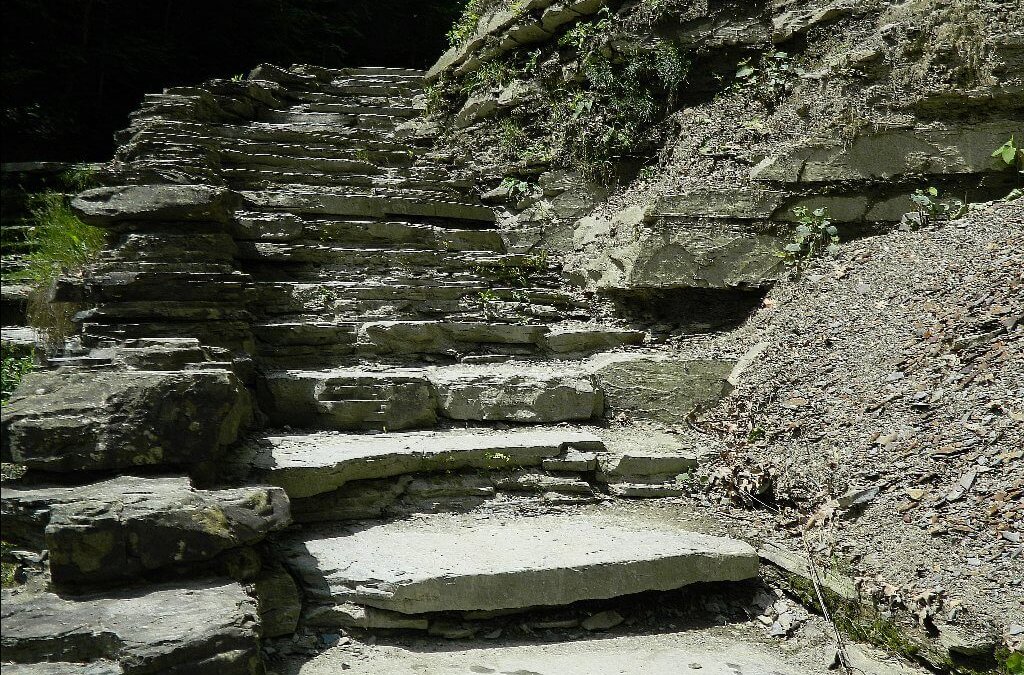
(194, 628)
(337, 203)
(309, 464)
(447, 562)
(125, 526)
(410, 398)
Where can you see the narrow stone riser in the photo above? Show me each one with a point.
(368, 234)
(254, 178)
(298, 254)
(396, 402)
(298, 164)
(233, 335)
(354, 150)
(332, 120)
(448, 490)
(430, 302)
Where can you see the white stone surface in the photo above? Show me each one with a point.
(450, 562)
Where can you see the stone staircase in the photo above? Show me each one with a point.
(309, 319)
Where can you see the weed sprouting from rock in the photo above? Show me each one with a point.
(813, 235)
(931, 209)
(1010, 154)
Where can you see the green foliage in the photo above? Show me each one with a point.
(814, 234)
(610, 113)
(8, 570)
(512, 137)
(62, 244)
(79, 178)
(61, 241)
(769, 79)
(1014, 663)
(517, 189)
(930, 208)
(465, 25)
(1010, 153)
(489, 75)
(16, 365)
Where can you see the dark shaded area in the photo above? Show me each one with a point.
(73, 70)
(693, 310)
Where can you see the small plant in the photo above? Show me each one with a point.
(15, 366)
(930, 208)
(238, 78)
(512, 138)
(814, 234)
(517, 189)
(1010, 153)
(770, 77)
(79, 178)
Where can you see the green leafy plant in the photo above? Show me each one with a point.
(813, 235)
(79, 178)
(517, 189)
(930, 208)
(770, 78)
(1014, 663)
(1010, 153)
(15, 365)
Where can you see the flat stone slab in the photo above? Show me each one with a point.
(524, 395)
(80, 421)
(306, 465)
(446, 562)
(196, 628)
(715, 650)
(125, 526)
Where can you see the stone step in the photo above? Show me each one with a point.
(343, 148)
(246, 177)
(204, 627)
(318, 132)
(368, 260)
(127, 526)
(331, 120)
(418, 298)
(310, 343)
(447, 562)
(379, 71)
(380, 88)
(352, 109)
(411, 398)
(253, 225)
(312, 464)
(344, 203)
(330, 165)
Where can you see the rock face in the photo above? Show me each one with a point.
(199, 628)
(115, 420)
(661, 387)
(435, 564)
(128, 526)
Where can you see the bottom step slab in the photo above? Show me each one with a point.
(198, 628)
(441, 563)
